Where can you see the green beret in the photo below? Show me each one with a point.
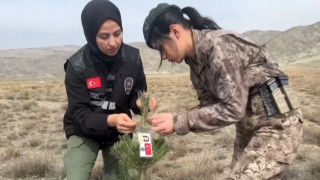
(150, 20)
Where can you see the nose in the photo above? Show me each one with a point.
(112, 42)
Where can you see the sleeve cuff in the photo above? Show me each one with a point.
(181, 125)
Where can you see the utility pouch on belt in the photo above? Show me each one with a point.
(278, 96)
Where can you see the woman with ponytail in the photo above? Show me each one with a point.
(236, 82)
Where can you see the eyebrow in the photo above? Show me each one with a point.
(117, 31)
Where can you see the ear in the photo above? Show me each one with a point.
(176, 30)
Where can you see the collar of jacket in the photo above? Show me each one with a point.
(202, 50)
(205, 42)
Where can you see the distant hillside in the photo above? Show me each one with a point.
(295, 44)
(47, 62)
(298, 45)
(261, 36)
(35, 63)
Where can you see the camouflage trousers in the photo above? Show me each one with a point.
(265, 146)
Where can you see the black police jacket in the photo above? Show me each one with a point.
(94, 93)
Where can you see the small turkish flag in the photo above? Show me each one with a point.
(147, 147)
(94, 82)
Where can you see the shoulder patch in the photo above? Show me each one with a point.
(94, 82)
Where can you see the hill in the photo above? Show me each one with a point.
(295, 46)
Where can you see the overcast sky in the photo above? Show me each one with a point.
(38, 23)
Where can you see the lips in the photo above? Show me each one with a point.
(113, 50)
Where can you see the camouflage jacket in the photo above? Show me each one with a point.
(226, 66)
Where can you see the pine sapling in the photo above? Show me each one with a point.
(133, 166)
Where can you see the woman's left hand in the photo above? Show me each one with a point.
(162, 123)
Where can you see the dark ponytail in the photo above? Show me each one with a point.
(161, 28)
(197, 21)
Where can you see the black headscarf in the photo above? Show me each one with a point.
(93, 16)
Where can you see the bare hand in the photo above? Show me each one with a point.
(122, 122)
(162, 123)
(152, 103)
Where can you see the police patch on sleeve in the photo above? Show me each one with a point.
(128, 84)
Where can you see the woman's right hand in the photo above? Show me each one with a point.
(162, 123)
(122, 122)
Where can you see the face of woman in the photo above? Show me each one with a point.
(173, 49)
(170, 51)
(109, 38)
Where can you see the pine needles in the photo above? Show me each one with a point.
(131, 165)
(144, 99)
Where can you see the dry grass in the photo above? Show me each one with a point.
(304, 79)
(28, 126)
(10, 153)
(31, 123)
(311, 133)
(37, 166)
(314, 169)
(312, 115)
(35, 142)
(97, 171)
(29, 105)
(307, 164)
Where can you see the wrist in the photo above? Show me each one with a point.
(111, 120)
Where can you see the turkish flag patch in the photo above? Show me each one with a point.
(94, 82)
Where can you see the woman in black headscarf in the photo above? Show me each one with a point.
(102, 83)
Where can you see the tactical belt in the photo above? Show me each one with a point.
(278, 96)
